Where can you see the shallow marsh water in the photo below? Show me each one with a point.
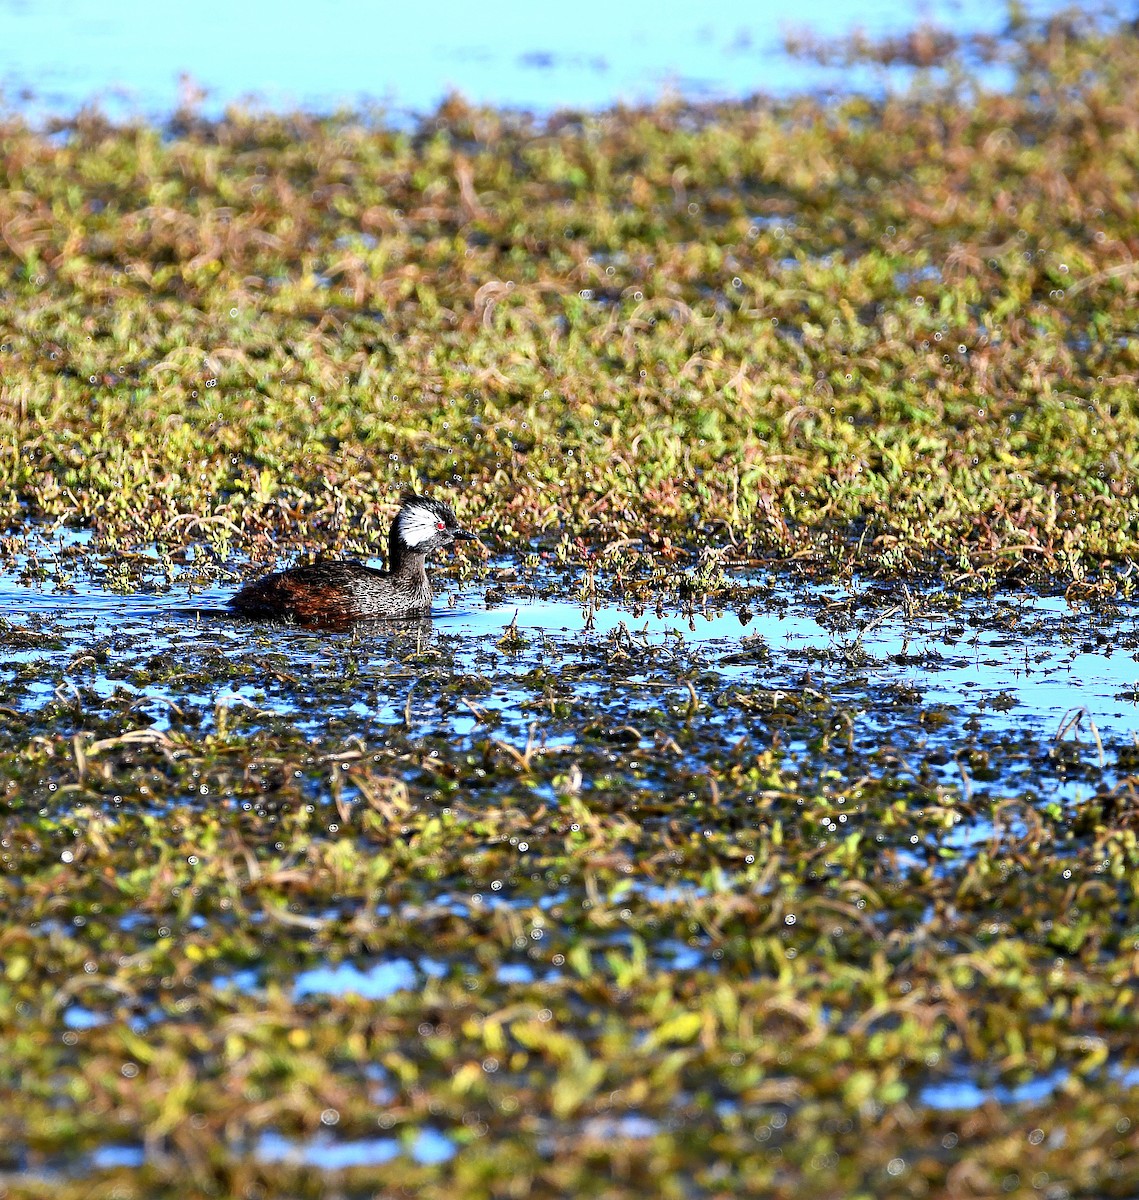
(1004, 663)
(526, 725)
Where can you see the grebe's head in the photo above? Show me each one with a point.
(423, 525)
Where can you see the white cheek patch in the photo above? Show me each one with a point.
(417, 525)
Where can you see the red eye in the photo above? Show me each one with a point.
(440, 525)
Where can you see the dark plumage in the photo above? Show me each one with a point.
(336, 592)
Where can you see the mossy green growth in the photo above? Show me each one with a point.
(897, 334)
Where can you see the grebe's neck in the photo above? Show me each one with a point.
(404, 564)
(410, 568)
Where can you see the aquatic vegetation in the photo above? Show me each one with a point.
(760, 819)
(619, 888)
(897, 335)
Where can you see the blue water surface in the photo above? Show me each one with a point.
(57, 54)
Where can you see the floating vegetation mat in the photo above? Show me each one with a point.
(756, 815)
(543, 889)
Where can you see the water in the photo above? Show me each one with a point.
(989, 697)
(1035, 667)
(114, 1155)
(965, 1093)
(1038, 677)
(427, 1147)
(1031, 695)
(350, 53)
(379, 981)
(323, 1151)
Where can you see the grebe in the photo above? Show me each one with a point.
(335, 592)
